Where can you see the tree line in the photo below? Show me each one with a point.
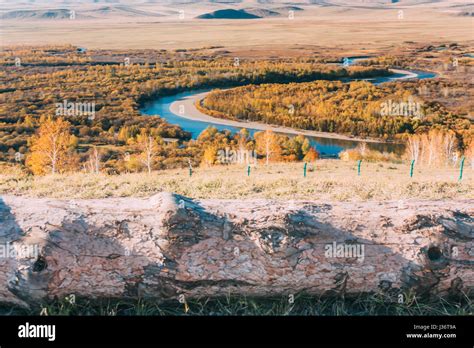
(53, 149)
(118, 83)
(357, 108)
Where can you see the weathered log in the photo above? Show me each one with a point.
(169, 245)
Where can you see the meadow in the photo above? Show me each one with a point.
(326, 180)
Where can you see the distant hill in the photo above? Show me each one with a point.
(229, 14)
(123, 11)
(221, 9)
(466, 13)
(250, 12)
(261, 12)
(61, 13)
(289, 8)
(37, 14)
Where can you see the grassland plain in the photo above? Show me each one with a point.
(328, 180)
(381, 27)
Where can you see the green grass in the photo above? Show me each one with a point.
(369, 304)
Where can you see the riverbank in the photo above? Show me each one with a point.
(185, 108)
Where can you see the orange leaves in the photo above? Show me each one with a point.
(210, 156)
(434, 148)
(148, 145)
(311, 156)
(52, 148)
(268, 145)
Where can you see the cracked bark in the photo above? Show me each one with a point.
(161, 248)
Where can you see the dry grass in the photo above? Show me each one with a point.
(331, 180)
(323, 26)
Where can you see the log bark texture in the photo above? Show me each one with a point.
(169, 245)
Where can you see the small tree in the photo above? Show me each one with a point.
(311, 156)
(362, 147)
(209, 157)
(148, 146)
(450, 144)
(413, 147)
(267, 145)
(242, 139)
(93, 161)
(306, 147)
(51, 147)
(469, 152)
(436, 147)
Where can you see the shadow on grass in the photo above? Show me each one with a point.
(303, 305)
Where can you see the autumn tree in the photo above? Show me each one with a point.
(433, 148)
(52, 147)
(267, 145)
(413, 147)
(242, 138)
(210, 156)
(148, 145)
(295, 148)
(311, 155)
(93, 161)
(29, 122)
(306, 147)
(358, 108)
(469, 152)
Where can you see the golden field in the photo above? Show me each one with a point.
(355, 28)
(326, 180)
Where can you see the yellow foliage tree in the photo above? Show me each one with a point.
(148, 144)
(210, 156)
(434, 148)
(311, 156)
(93, 161)
(51, 149)
(29, 121)
(267, 145)
(469, 152)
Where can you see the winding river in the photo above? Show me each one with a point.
(179, 109)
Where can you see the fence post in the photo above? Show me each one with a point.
(305, 165)
(358, 167)
(462, 168)
(411, 168)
